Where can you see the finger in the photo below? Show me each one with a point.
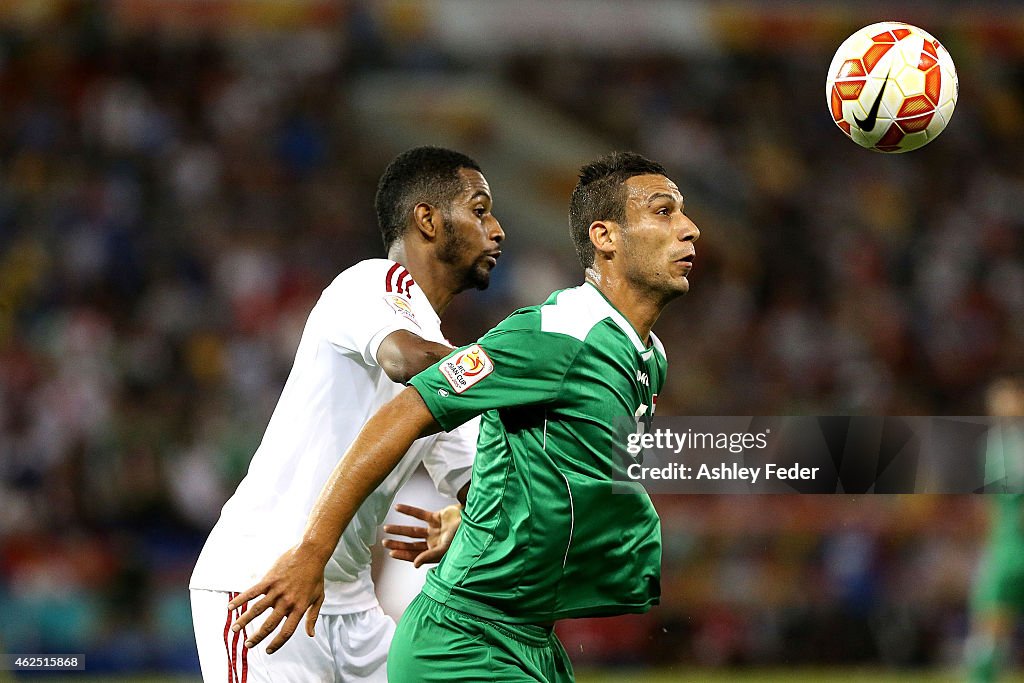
(250, 614)
(404, 555)
(392, 544)
(411, 531)
(290, 624)
(418, 513)
(428, 556)
(265, 630)
(248, 595)
(311, 616)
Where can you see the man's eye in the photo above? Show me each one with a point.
(664, 211)
(480, 212)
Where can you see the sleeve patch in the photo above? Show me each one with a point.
(466, 368)
(401, 306)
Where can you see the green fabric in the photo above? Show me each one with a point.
(999, 588)
(1001, 579)
(543, 536)
(436, 644)
(984, 660)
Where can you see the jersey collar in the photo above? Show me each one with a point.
(601, 300)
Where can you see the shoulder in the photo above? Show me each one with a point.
(377, 274)
(584, 313)
(524, 335)
(573, 312)
(567, 313)
(371, 277)
(573, 318)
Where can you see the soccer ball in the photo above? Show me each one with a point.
(891, 87)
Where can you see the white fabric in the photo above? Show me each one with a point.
(347, 648)
(576, 311)
(398, 581)
(334, 387)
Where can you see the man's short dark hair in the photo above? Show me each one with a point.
(421, 174)
(600, 195)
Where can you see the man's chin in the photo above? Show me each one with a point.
(479, 278)
(678, 287)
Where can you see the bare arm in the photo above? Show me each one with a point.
(402, 355)
(378, 448)
(295, 584)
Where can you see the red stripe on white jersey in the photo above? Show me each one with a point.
(245, 650)
(406, 283)
(234, 649)
(400, 277)
(227, 630)
(387, 278)
(398, 280)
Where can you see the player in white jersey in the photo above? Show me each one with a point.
(373, 328)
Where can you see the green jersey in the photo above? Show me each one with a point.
(543, 535)
(1000, 582)
(1004, 463)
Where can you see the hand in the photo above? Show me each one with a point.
(439, 532)
(294, 586)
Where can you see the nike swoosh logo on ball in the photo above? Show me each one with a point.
(867, 124)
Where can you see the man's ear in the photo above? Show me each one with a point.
(604, 235)
(428, 220)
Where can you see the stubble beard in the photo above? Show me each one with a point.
(453, 246)
(646, 278)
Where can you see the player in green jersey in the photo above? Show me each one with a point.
(543, 535)
(998, 595)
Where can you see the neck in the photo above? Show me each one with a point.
(640, 308)
(433, 277)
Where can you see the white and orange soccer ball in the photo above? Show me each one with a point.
(891, 87)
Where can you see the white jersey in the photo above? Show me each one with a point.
(334, 387)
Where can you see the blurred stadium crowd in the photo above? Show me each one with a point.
(172, 203)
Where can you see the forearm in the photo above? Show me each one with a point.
(378, 448)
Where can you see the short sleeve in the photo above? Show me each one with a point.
(363, 307)
(449, 461)
(506, 367)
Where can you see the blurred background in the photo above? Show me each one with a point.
(180, 179)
